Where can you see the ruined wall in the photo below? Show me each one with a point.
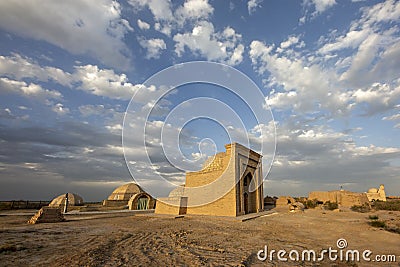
(323, 196)
(343, 198)
(349, 199)
(284, 201)
(47, 215)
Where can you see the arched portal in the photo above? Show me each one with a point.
(249, 197)
(143, 203)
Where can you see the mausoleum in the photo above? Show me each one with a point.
(230, 184)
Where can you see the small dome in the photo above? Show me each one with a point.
(372, 190)
(73, 200)
(125, 192)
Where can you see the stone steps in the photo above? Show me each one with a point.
(47, 215)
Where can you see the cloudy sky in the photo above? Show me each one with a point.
(329, 70)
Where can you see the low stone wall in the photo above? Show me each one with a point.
(47, 215)
(115, 203)
(22, 204)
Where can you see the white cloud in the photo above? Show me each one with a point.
(27, 90)
(309, 87)
(379, 97)
(191, 10)
(218, 46)
(203, 40)
(252, 5)
(161, 9)
(381, 12)
(104, 82)
(323, 5)
(351, 39)
(153, 47)
(392, 118)
(165, 28)
(363, 58)
(90, 78)
(319, 7)
(194, 10)
(78, 26)
(60, 109)
(167, 20)
(143, 25)
(292, 40)
(328, 79)
(237, 56)
(373, 44)
(19, 67)
(306, 86)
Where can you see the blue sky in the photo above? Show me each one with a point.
(328, 69)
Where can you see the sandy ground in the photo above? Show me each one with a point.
(127, 239)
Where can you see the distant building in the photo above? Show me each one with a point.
(230, 184)
(73, 200)
(132, 195)
(374, 194)
(342, 197)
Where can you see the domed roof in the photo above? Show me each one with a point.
(124, 192)
(129, 188)
(73, 200)
(372, 190)
(177, 192)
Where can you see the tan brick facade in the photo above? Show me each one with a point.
(230, 184)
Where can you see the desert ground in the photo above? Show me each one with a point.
(130, 239)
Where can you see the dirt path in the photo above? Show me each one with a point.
(151, 240)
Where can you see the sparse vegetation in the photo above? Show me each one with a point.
(311, 203)
(393, 205)
(362, 208)
(393, 230)
(382, 224)
(331, 205)
(376, 223)
(308, 203)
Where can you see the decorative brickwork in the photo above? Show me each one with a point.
(230, 184)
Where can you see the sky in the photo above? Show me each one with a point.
(328, 70)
